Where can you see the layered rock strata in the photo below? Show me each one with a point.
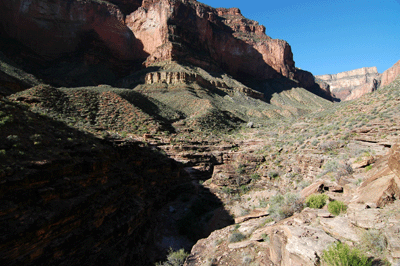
(352, 84)
(176, 78)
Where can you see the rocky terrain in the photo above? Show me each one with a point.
(130, 128)
(348, 153)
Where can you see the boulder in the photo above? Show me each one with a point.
(298, 245)
(317, 187)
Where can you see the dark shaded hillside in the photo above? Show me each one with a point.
(69, 198)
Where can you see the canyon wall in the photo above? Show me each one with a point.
(123, 35)
(214, 39)
(352, 84)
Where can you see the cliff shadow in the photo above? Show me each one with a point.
(90, 63)
(83, 200)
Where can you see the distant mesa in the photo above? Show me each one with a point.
(353, 84)
(350, 85)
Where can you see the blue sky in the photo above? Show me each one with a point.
(329, 37)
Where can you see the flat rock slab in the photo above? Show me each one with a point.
(366, 218)
(242, 244)
(306, 243)
(253, 215)
(324, 214)
(340, 227)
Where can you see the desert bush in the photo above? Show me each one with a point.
(330, 166)
(374, 240)
(283, 206)
(316, 201)
(329, 145)
(255, 176)
(273, 174)
(336, 207)
(339, 254)
(344, 170)
(174, 258)
(236, 237)
(241, 169)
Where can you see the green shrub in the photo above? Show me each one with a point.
(174, 258)
(316, 201)
(336, 207)
(340, 254)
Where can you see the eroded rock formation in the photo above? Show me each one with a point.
(352, 84)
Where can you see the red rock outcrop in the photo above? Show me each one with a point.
(383, 186)
(352, 84)
(389, 75)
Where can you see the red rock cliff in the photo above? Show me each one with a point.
(211, 38)
(389, 75)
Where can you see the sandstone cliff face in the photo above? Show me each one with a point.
(211, 38)
(390, 75)
(352, 84)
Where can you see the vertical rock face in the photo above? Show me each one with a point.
(352, 84)
(211, 38)
(389, 75)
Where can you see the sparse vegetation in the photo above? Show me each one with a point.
(375, 241)
(174, 258)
